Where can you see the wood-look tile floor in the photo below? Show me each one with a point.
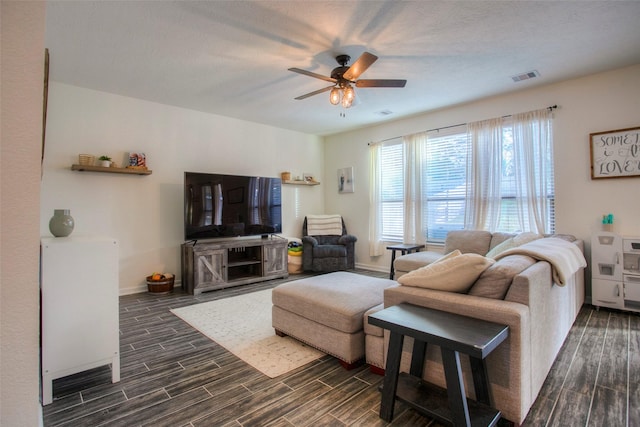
(171, 375)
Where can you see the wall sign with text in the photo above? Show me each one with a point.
(615, 153)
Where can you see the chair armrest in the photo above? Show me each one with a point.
(310, 240)
(346, 239)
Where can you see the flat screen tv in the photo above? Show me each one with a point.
(218, 205)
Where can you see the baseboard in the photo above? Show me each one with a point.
(372, 267)
(143, 288)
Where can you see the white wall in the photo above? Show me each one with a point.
(145, 212)
(595, 103)
(22, 87)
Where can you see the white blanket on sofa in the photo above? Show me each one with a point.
(324, 225)
(565, 257)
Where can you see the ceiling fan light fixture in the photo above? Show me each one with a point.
(334, 96)
(348, 96)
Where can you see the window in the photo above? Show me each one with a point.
(499, 180)
(445, 168)
(392, 190)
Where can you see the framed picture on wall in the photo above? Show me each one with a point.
(345, 180)
(615, 153)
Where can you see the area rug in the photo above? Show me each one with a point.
(242, 325)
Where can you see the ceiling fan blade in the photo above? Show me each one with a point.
(380, 83)
(312, 74)
(360, 66)
(315, 92)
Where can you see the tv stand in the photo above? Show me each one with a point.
(207, 266)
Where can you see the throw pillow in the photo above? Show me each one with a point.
(526, 237)
(507, 244)
(452, 273)
(515, 241)
(495, 281)
(447, 256)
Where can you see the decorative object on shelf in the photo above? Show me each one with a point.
(137, 161)
(607, 222)
(286, 176)
(105, 161)
(308, 177)
(615, 153)
(160, 283)
(61, 223)
(345, 180)
(86, 159)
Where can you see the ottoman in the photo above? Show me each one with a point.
(326, 312)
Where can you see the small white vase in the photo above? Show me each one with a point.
(105, 163)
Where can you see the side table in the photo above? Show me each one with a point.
(404, 248)
(454, 334)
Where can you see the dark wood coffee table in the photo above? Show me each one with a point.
(454, 334)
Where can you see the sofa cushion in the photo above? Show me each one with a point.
(372, 329)
(415, 260)
(495, 281)
(452, 273)
(512, 242)
(499, 237)
(468, 241)
(329, 251)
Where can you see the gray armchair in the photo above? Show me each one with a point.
(325, 253)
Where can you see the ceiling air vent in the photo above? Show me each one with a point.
(385, 112)
(525, 76)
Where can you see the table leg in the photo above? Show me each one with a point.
(455, 388)
(393, 258)
(417, 358)
(390, 382)
(480, 380)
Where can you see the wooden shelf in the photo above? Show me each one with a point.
(301, 182)
(130, 171)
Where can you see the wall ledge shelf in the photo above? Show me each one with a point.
(129, 171)
(301, 182)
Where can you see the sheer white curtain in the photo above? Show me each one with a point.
(533, 158)
(415, 200)
(531, 170)
(484, 166)
(412, 206)
(376, 245)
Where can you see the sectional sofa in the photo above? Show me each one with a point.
(522, 289)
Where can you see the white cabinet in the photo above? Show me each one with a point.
(607, 293)
(79, 308)
(615, 271)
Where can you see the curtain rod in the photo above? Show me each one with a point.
(550, 108)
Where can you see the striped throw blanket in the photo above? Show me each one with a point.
(324, 225)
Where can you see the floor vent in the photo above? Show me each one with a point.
(525, 76)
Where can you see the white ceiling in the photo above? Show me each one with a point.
(231, 57)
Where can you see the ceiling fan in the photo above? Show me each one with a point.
(344, 77)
